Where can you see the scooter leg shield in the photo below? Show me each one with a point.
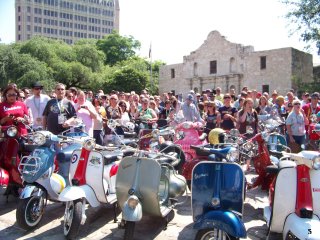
(223, 220)
(72, 193)
(302, 228)
(4, 177)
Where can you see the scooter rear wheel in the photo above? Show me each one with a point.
(213, 234)
(72, 219)
(129, 230)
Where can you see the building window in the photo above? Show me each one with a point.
(263, 62)
(19, 8)
(19, 27)
(173, 73)
(265, 88)
(28, 18)
(19, 18)
(195, 69)
(213, 67)
(28, 28)
(19, 37)
(232, 65)
(28, 9)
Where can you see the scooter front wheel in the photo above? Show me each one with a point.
(29, 212)
(213, 234)
(129, 230)
(72, 219)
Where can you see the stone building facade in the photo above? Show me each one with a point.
(220, 63)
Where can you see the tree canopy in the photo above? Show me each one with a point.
(305, 16)
(109, 63)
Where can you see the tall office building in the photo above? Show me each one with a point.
(69, 20)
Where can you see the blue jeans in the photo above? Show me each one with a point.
(298, 139)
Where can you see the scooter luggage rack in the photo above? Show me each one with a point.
(25, 167)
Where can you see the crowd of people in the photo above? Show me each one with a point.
(211, 107)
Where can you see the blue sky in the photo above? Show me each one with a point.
(177, 27)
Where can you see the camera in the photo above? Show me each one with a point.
(83, 107)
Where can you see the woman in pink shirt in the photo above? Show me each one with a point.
(86, 111)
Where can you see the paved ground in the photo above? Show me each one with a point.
(99, 224)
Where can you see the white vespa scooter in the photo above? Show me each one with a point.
(92, 179)
(294, 196)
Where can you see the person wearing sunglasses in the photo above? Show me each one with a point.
(36, 103)
(58, 112)
(13, 111)
(295, 123)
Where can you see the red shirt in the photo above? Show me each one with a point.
(308, 110)
(17, 109)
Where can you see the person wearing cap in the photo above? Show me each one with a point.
(295, 123)
(190, 111)
(279, 106)
(36, 104)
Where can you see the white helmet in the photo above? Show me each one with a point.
(130, 126)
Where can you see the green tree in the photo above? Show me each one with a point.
(305, 16)
(89, 56)
(118, 48)
(127, 79)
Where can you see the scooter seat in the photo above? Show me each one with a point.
(163, 160)
(273, 169)
(130, 134)
(110, 158)
(276, 153)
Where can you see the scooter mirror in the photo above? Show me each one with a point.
(180, 135)
(249, 130)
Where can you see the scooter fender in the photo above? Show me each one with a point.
(302, 228)
(29, 191)
(72, 193)
(224, 220)
(132, 214)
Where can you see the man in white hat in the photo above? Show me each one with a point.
(190, 112)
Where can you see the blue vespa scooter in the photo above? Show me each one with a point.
(218, 187)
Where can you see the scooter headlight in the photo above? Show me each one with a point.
(89, 144)
(39, 138)
(154, 126)
(316, 163)
(232, 155)
(12, 131)
(215, 201)
(248, 146)
(133, 201)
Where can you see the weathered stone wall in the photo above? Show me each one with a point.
(237, 66)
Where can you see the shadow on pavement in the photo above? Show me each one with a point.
(184, 205)
(187, 233)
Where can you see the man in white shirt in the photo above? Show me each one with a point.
(36, 104)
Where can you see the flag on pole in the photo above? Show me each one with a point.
(150, 51)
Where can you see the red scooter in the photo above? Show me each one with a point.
(12, 146)
(257, 149)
